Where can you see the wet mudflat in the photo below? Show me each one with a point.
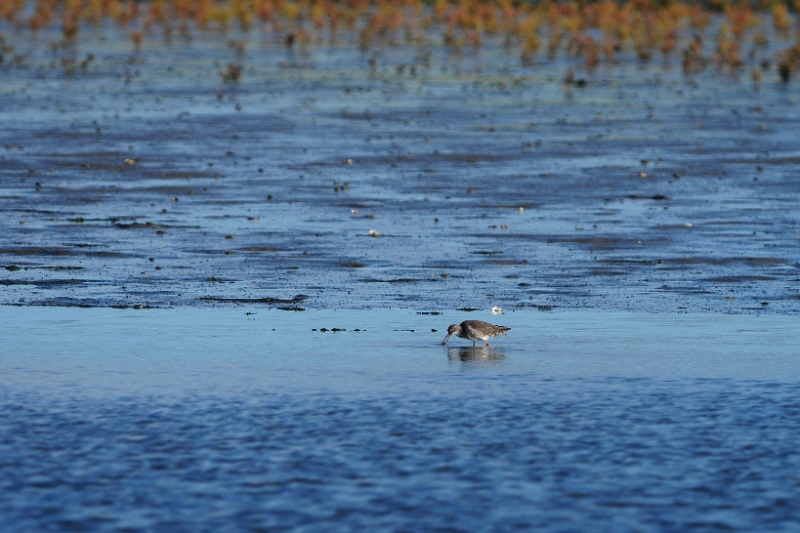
(326, 177)
(247, 419)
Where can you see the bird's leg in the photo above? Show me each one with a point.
(487, 343)
(473, 344)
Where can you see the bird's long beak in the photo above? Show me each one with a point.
(445, 339)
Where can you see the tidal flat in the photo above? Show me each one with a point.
(404, 176)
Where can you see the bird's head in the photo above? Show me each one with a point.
(453, 329)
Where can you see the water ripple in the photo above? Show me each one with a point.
(555, 455)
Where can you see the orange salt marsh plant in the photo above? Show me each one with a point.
(781, 19)
(727, 48)
(592, 31)
(741, 18)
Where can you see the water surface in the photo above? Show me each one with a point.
(209, 419)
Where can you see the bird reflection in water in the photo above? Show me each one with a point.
(471, 354)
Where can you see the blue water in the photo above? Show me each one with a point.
(213, 420)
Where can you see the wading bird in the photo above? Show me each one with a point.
(475, 330)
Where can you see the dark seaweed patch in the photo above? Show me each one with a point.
(268, 300)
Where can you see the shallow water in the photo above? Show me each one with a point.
(201, 420)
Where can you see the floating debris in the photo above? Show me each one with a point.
(335, 330)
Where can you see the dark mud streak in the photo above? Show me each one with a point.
(42, 283)
(740, 279)
(260, 249)
(749, 261)
(36, 251)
